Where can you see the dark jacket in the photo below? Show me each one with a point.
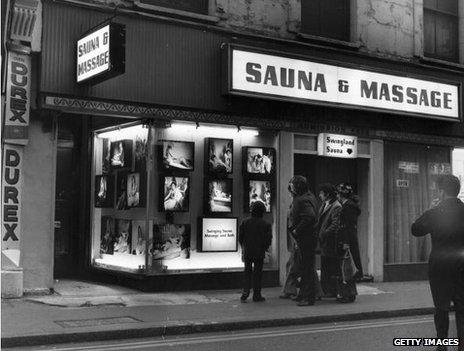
(328, 227)
(349, 214)
(302, 219)
(255, 236)
(445, 223)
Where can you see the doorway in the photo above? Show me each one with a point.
(319, 170)
(67, 197)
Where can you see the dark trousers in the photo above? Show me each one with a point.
(330, 271)
(441, 316)
(309, 279)
(354, 248)
(293, 273)
(253, 272)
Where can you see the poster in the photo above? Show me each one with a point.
(218, 234)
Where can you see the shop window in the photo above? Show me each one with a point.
(441, 29)
(181, 211)
(411, 172)
(330, 19)
(196, 6)
(458, 168)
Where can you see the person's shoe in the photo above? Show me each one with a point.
(329, 296)
(346, 299)
(297, 298)
(258, 299)
(305, 302)
(244, 297)
(287, 296)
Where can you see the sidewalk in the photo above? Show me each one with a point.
(82, 311)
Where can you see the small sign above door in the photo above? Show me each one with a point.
(337, 145)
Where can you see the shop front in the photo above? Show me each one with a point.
(178, 127)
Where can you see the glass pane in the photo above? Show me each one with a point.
(448, 6)
(430, 4)
(429, 33)
(446, 37)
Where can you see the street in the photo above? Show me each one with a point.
(358, 335)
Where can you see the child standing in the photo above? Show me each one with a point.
(255, 237)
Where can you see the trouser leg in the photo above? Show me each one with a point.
(257, 277)
(441, 318)
(354, 248)
(329, 273)
(293, 273)
(308, 278)
(247, 277)
(459, 308)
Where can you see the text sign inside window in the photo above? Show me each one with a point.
(335, 145)
(279, 77)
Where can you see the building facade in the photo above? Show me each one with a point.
(137, 133)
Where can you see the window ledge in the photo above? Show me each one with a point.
(329, 42)
(176, 13)
(443, 63)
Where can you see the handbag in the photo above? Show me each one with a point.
(348, 267)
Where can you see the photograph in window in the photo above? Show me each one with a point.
(139, 236)
(178, 155)
(121, 191)
(219, 155)
(104, 191)
(259, 190)
(107, 235)
(121, 154)
(171, 241)
(219, 196)
(123, 241)
(175, 193)
(133, 190)
(260, 160)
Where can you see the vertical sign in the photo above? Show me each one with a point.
(18, 98)
(11, 201)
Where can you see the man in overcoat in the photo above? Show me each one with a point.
(445, 223)
(328, 226)
(301, 221)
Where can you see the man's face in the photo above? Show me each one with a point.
(291, 189)
(441, 194)
(322, 196)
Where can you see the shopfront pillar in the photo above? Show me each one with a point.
(285, 173)
(376, 210)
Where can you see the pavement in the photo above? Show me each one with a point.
(85, 311)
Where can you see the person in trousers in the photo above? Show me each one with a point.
(301, 221)
(328, 226)
(444, 221)
(255, 237)
(348, 239)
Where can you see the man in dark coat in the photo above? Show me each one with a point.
(445, 222)
(328, 226)
(255, 237)
(301, 221)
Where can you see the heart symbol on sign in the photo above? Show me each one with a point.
(350, 151)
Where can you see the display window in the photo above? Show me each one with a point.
(170, 200)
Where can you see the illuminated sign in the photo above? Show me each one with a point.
(101, 53)
(218, 234)
(18, 98)
(269, 76)
(336, 145)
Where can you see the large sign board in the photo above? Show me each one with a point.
(336, 145)
(270, 76)
(12, 178)
(100, 53)
(18, 98)
(218, 234)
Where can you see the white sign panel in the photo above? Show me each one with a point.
(336, 145)
(93, 54)
(18, 98)
(281, 77)
(219, 234)
(409, 167)
(402, 183)
(11, 201)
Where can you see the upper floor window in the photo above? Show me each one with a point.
(326, 18)
(441, 29)
(196, 6)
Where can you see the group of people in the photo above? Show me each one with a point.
(329, 228)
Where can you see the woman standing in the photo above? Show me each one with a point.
(348, 238)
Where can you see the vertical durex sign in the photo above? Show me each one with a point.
(18, 98)
(11, 201)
